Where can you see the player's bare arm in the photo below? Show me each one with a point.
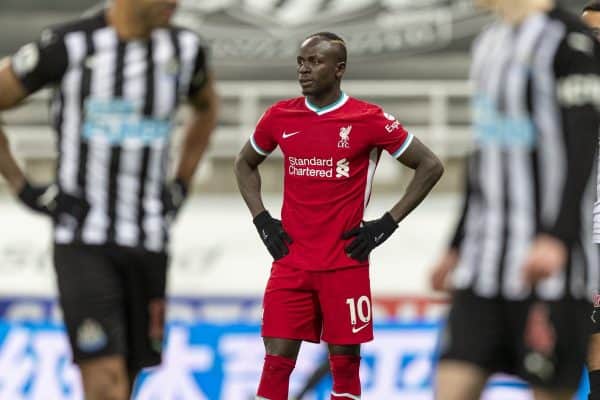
(248, 179)
(43, 198)
(197, 135)
(428, 170)
(12, 94)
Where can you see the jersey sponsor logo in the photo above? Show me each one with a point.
(91, 336)
(311, 167)
(286, 135)
(395, 125)
(26, 59)
(318, 167)
(118, 120)
(344, 142)
(579, 90)
(492, 127)
(342, 169)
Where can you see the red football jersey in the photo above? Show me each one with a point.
(330, 156)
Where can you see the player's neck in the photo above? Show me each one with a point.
(128, 24)
(325, 99)
(519, 10)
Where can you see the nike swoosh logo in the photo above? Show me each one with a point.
(287, 135)
(356, 330)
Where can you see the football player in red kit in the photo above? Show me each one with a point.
(319, 285)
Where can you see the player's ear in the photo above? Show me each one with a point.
(340, 69)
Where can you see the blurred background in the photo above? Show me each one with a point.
(410, 56)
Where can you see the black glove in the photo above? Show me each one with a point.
(272, 234)
(51, 201)
(173, 196)
(368, 236)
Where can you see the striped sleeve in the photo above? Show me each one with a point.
(263, 139)
(578, 88)
(41, 63)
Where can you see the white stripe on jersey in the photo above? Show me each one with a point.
(590, 250)
(70, 139)
(128, 183)
(164, 54)
(490, 175)
(552, 155)
(188, 43)
(552, 164)
(153, 223)
(491, 178)
(97, 168)
(521, 222)
(96, 223)
(521, 193)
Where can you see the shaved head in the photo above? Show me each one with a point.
(338, 43)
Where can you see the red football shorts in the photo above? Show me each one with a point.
(312, 305)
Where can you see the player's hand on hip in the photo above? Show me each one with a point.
(173, 197)
(38, 198)
(547, 256)
(368, 236)
(272, 234)
(51, 201)
(441, 271)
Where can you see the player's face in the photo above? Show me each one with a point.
(157, 13)
(592, 19)
(319, 69)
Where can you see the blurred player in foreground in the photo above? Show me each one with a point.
(118, 77)
(522, 259)
(591, 16)
(319, 284)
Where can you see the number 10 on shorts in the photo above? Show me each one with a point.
(360, 308)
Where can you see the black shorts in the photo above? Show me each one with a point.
(113, 301)
(510, 336)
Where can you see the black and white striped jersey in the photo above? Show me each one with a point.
(113, 109)
(536, 100)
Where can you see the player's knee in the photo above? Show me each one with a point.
(105, 379)
(457, 380)
(282, 347)
(275, 379)
(345, 374)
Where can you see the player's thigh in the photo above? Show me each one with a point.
(291, 308)
(105, 378)
(544, 394)
(91, 296)
(482, 345)
(345, 299)
(459, 380)
(554, 345)
(593, 357)
(145, 281)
